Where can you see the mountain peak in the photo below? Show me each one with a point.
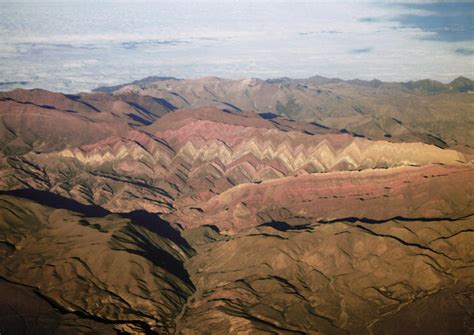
(462, 84)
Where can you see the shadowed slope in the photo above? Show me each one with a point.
(24, 311)
(111, 269)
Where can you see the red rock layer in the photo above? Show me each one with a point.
(429, 192)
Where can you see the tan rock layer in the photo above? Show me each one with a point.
(113, 269)
(341, 278)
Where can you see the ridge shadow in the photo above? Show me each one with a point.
(284, 226)
(150, 221)
(56, 201)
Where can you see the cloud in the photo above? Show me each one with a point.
(147, 43)
(304, 33)
(369, 19)
(70, 47)
(13, 83)
(465, 51)
(446, 22)
(361, 50)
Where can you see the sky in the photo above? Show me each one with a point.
(74, 46)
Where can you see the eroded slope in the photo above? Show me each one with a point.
(340, 278)
(120, 270)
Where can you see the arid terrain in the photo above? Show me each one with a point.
(216, 206)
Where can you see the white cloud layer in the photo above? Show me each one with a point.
(74, 47)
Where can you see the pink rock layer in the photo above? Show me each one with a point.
(429, 192)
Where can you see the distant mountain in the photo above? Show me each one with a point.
(320, 80)
(144, 81)
(461, 84)
(458, 85)
(426, 111)
(427, 85)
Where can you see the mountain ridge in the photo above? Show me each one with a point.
(377, 111)
(458, 84)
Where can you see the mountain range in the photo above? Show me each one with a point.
(199, 206)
